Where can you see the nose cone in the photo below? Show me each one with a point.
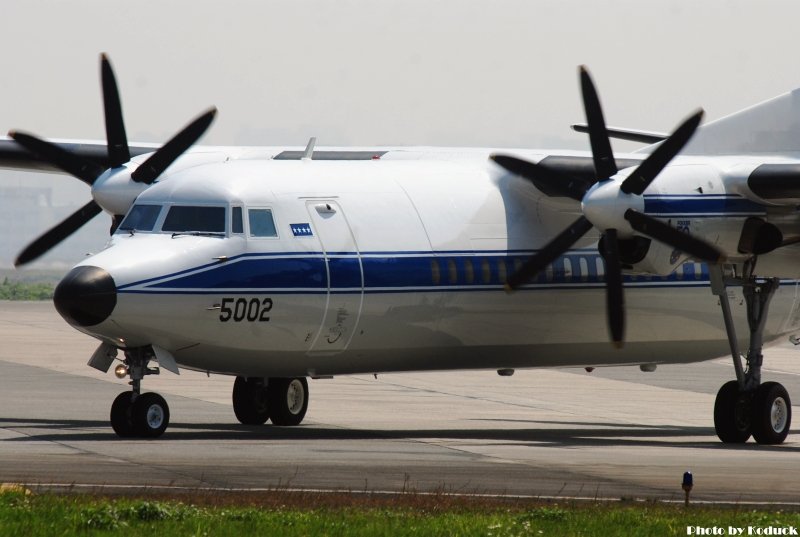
(86, 296)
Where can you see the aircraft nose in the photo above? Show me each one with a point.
(86, 296)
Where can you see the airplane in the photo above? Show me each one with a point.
(273, 264)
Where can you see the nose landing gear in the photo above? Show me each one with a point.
(745, 406)
(136, 414)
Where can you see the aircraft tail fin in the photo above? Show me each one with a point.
(772, 126)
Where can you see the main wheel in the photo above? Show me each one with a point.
(772, 413)
(150, 415)
(250, 401)
(288, 399)
(121, 415)
(732, 414)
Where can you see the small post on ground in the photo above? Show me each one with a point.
(688, 483)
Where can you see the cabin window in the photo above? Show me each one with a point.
(185, 218)
(486, 271)
(567, 270)
(261, 223)
(436, 273)
(502, 272)
(686, 272)
(141, 218)
(237, 224)
(584, 269)
(452, 271)
(469, 271)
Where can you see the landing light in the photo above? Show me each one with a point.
(121, 371)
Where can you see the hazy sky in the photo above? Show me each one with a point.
(371, 72)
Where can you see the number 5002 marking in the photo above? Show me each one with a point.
(242, 309)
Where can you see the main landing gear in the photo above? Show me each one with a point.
(136, 414)
(745, 406)
(283, 400)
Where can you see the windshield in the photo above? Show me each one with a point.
(181, 218)
(141, 218)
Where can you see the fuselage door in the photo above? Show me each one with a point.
(345, 276)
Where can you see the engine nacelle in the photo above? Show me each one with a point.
(712, 203)
(647, 256)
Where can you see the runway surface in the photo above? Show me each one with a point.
(614, 433)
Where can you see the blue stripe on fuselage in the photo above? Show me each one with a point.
(394, 272)
(700, 205)
(266, 273)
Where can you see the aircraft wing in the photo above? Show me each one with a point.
(631, 135)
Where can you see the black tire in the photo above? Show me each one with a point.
(250, 401)
(150, 415)
(732, 414)
(772, 414)
(121, 420)
(288, 400)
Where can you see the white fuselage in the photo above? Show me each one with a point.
(388, 266)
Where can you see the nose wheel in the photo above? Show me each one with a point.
(745, 407)
(135, 414)
(142, 416)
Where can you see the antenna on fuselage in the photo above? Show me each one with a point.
(308, 154)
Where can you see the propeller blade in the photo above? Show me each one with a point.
(604, 164)
(549, 253)
(643, 175)
(57, 234)
(166, 154)
(547, 180)
(667, 234)
(117, 140)
(615, 298)
(85, 170)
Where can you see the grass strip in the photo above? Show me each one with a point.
(23, 513)
(18, 290)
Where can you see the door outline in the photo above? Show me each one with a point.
(342, 309)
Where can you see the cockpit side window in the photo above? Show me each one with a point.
(237, 224)
(141, 218)
(182, 218)
(261, 223)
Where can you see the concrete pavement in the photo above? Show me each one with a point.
(612, 433)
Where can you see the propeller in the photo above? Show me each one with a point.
(601, 201)
(119, 154)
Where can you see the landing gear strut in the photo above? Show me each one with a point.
(745, 406)
(136, 414)
(284, 400)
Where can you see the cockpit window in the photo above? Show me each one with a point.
(237, 224)
(261, 223)
(181, 218)
(141, 218)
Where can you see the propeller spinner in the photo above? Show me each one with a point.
(119, 154)
(610, 206)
